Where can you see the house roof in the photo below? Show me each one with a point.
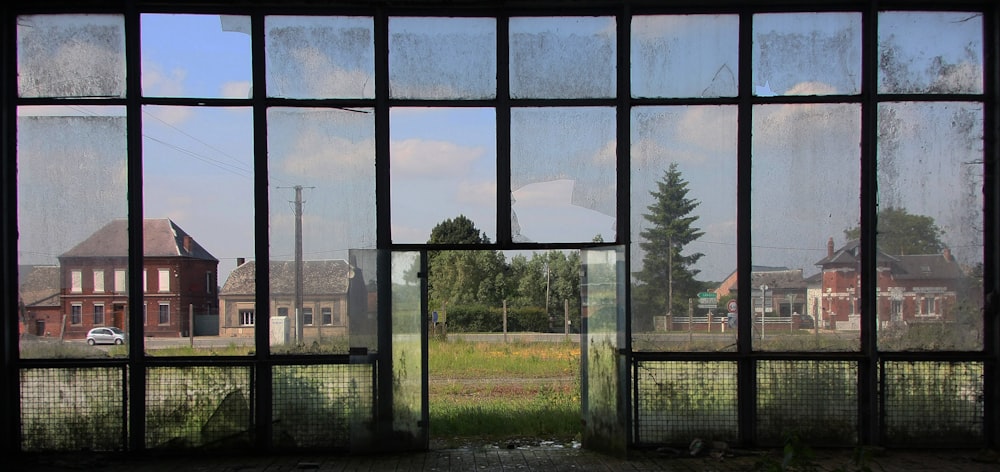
(318, 277)
(161, 238)
(778, 279)
(850, 254)
(39, 285)
(926, 266)
(908, 266)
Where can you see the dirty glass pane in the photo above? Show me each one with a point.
(199, 407)
(73, 409)
(934, 404)
(198, 208)
(683, 195)
(685, 55)
(563, 174)
(805, 191)
(604, 372)
(812, 399)
(322, 193)
(196, 56)
(930, 226)
(913, 61)
(677, 401)
(320, 57)
(442, 58)
(807, 54)
(71, 183)
(442, 166)
(323, 407)
(562, 57)
(409, 408)
(71, 56)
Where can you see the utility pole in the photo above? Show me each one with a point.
(298, 262)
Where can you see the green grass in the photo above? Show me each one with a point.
(495, 391)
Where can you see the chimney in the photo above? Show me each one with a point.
(240, 261)
(187, 243)
(829, 247)
(947, 255)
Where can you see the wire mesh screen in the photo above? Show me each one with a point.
(198, 407)
(322, 406)
(816, 401)
(676, 402)
(933, 403)
(72, 409)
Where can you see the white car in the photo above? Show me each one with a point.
(106, 335)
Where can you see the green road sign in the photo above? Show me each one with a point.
(706, 295)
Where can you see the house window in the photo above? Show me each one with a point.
(282, 311)
(307, 316)
(246, 317)
(76, 314)
(144, 274)
(98, 281)
(327, 313)
(98, 314)
(76, 281)
(928, 306)
(119, 281)
(209, 282)
(897, 310)
(164, 280)
(164, 316)
(145, 314)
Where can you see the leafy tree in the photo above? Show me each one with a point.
(473, 277)
(667, 280)
(902, 233)
(460, 230)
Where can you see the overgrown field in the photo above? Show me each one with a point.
(498, 391)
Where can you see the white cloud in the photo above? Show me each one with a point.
(318, 155)
(416, 157)
(235, 90)
(157, 82)
(478, 193)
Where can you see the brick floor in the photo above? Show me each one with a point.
(492, 459)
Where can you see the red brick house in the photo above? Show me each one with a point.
(911, 288)
(178, 275)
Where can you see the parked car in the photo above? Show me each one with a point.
(106, 335)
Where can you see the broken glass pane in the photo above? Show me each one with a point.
(685, 55)
(562, 57)
(806, 179)
(197, 195)
(563, 174)
(913, 61)
(930, 226)
(71, 183)
(320, 57)
(442, 58)
(807, 54)
(71, 56)
(442, 166)
(196, 56)
(322, 192)
(667, 312)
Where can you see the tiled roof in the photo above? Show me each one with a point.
(161, 238)
(318, 277)
(926, 266)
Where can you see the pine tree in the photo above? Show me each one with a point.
(666, 280)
